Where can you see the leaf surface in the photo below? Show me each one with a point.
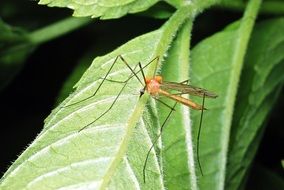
(105, 9)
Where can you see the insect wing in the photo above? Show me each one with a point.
(187, 89)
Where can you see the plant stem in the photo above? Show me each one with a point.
(269, 7)
(57, 29)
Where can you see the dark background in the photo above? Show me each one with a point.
(31, 96)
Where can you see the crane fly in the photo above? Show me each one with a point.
(156, 87)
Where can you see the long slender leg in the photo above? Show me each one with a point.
(105, 112)
(115, 100)
(142, 68)
(98, 86)
(153, 144)
(112, 104)
(125, 81)
(198, 134)
(105, 78)
(135, 73)
(199, 131)
(164, 103)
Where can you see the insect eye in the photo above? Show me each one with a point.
(159, 79)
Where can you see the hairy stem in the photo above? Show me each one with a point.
(57, 29)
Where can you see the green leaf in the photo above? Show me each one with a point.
(216, 66)
(99, 156)
(105, 9)
(262, 78)
(15, 47)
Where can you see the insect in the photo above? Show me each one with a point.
(156, 87)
